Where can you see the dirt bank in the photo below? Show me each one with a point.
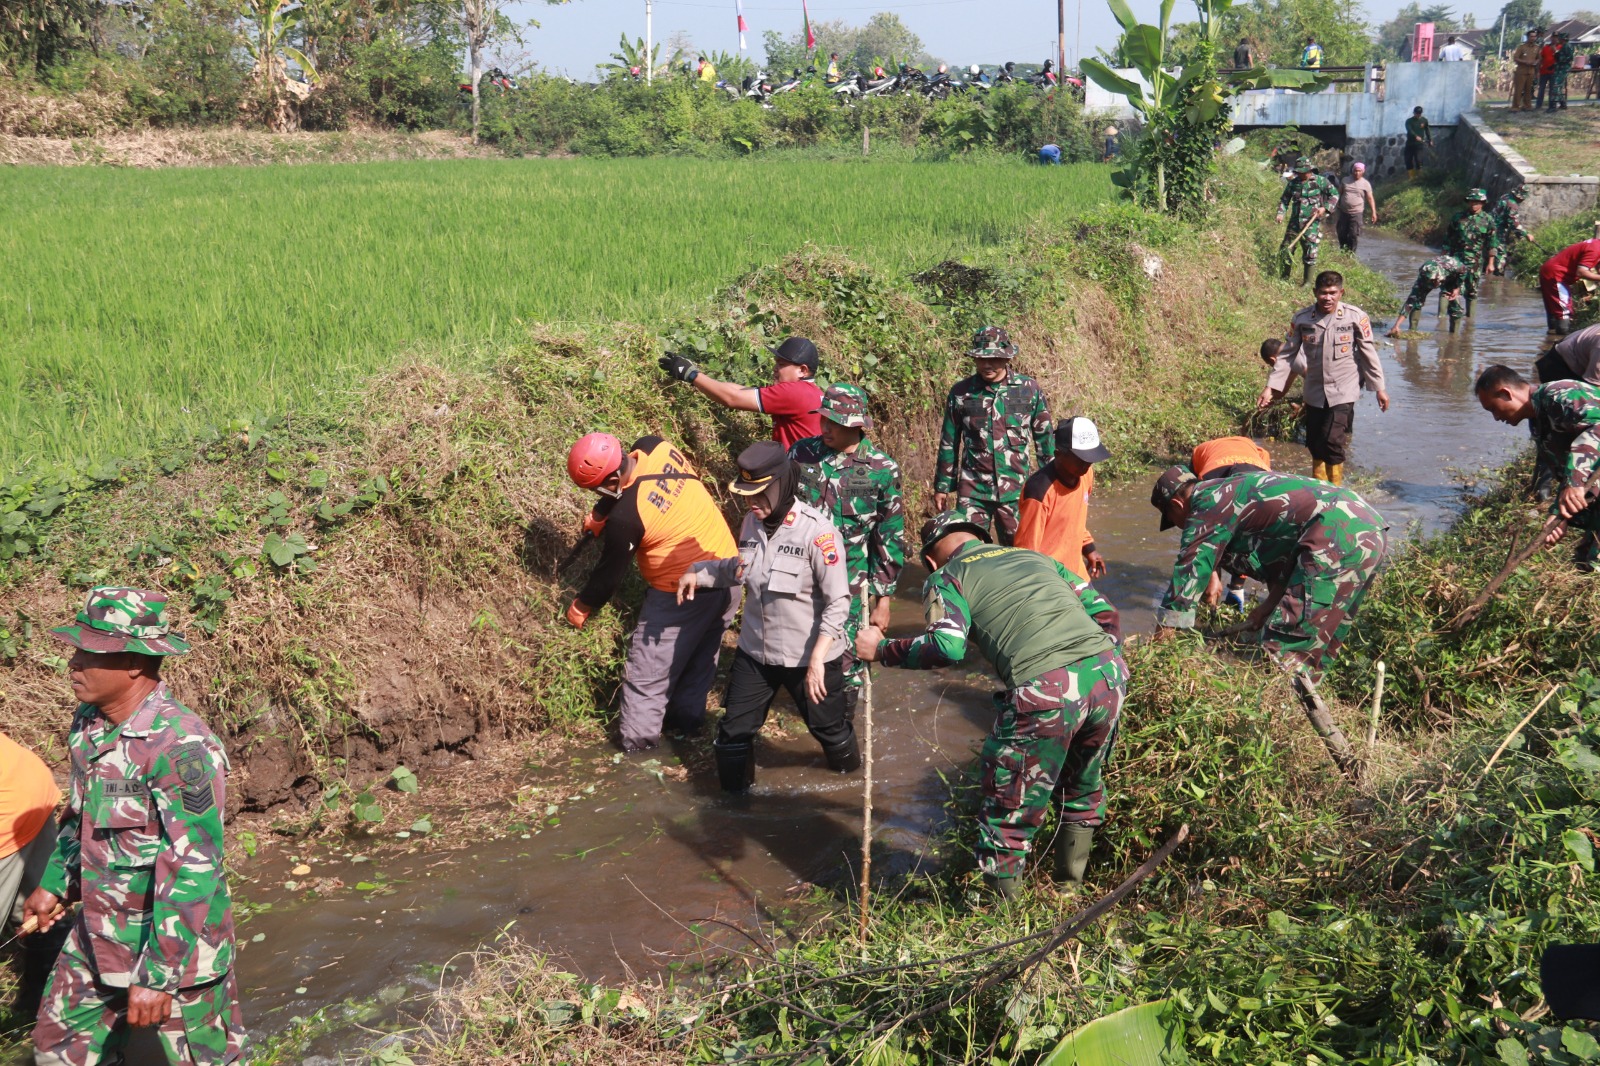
(235, 147)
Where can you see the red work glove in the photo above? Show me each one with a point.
(593, 526)
(578, 614)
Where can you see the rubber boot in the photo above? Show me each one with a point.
(1587, 554)
(1413, 320)
(1305, 277)
(736, 764)
(1007, 888)
(845, 756)
(852, 696)
(39, 953)
(1563, 326)
(1319, 469)
(1073, 843)
(1469, 301)
(1336, 473)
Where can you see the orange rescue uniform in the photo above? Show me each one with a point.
(28, 796)
(1055, 518)
(1227, 451)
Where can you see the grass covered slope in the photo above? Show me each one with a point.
(149, 304)
(1558, 143)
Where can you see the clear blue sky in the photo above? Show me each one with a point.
(574, 37)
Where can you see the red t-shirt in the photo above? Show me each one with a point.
(1547, 60)
(1563, 266)
(792, 405)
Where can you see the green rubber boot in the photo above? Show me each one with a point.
(1073, 844)
(1005, 888)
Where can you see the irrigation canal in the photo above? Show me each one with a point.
(617, 886)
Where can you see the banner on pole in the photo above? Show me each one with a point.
(738, 7)
(811, 35)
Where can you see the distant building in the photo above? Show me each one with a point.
(1485, 42)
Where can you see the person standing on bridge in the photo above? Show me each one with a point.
(1419, 135)
(1444, 272)
(1243, 55)
(791, 401)
(1560, 275)
(1341, 360)
(1473, 238)
(1305, 201)
(1454, 51)
(654, 507)
(1316, 546)
(989, 418)
(1355, 201)
(1311, 55)
(1525, 60)
(1054, 642)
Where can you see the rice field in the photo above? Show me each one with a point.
(138, 304)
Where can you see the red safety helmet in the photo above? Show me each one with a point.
(595, 457)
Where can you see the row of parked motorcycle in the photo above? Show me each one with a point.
(907, 80)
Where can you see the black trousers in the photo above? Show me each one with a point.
(1551, 367)
(1348, 227)
(1413, 155)
(753, 684)
(1328, 431)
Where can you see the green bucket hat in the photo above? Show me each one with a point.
(992, 342)
(1477, 196)
(117, 619)
(1304, 166)
(942, 525)
(846, 405)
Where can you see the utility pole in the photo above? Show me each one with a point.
(1077, 47)
(649, 52)
(1502, 49)
(1061, 38)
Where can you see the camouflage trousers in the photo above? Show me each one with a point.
(83, 1022)
(1001, 518)
(853, 668)
(1051, 740)
(1308, 245)
(1339, 555)
(1419, 298)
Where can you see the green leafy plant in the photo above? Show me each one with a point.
(403, 779)
(290, 553)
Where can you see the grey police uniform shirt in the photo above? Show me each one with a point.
(1581, 352)
(795, 585)
(1341, 356)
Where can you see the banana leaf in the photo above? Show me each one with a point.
(1147, 1035)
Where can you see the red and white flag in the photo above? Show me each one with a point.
(738, 6)
(811, 35)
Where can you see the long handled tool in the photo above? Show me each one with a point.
(866, 786)
(31, 925)
(1590, 489)
(1288, 249)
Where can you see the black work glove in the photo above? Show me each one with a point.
(679, 367)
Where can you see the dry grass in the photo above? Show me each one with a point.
(68, 146)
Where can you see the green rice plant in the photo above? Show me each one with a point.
(146, 305)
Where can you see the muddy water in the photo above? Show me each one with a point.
(617, 884)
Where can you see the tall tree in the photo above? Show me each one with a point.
(1520, 14)
(484, 22)
(36, 35)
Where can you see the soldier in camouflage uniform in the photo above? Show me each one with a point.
(850, 479)
(983, 446)
(1508, 227)
(1565, 54)
(141, 848)
(1316, 546)
(1473, 239)
(1054, 642)
(1565, 421)
(1306, 200)
(1444, 272)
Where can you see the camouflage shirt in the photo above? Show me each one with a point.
(983, 446)
(141, 846)
(860, 491)
(1508, 225)
(1302, 197)
(1472, 238)
(1250, 524)
(1443, 270)
(1566, 429)
(1564, 57)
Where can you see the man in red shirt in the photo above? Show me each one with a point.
(1547, 73)
(1561, 274)
(791, 401)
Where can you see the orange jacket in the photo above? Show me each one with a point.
(1055, 518)
(28, 796)
(1226, 451)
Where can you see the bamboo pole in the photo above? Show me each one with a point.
(1377, 710)
(866, 785)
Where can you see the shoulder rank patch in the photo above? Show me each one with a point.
(193, 765)
(789, 519)
(830, 551)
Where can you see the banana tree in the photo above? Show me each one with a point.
(632, 55)
(267, 41)
(1145, 48)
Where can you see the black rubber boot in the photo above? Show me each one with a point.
(845, 756)
(1587, 554)
(1469, 302)
(1563, 326)
(852, 696)
(1073, 843)
(736, 764)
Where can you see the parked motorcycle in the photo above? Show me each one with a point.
(493, 78)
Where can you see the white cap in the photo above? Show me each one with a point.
(1081, 437)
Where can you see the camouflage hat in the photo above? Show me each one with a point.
(942, 525)
(117, 619)
(992, 342)
(1304, 166)
(1168, 485)
(846, 405)
(1519, 193)
(1477, 196)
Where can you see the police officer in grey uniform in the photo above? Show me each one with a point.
(797, 593)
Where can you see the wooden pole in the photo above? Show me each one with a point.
(866, 784)
(1377, 710)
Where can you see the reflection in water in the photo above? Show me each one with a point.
(615, 887)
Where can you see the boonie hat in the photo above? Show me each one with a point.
(1304, 166)
(992, 342)
(1168, 485)
(797, 350)
(1081, 437)
(847, 405)
(758, 465)
(116, 619)
(1477, 196)
(942, 525)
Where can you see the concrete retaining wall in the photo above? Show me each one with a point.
(1492, 163)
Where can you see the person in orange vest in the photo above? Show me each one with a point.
(1054, 516)
(28, 798)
